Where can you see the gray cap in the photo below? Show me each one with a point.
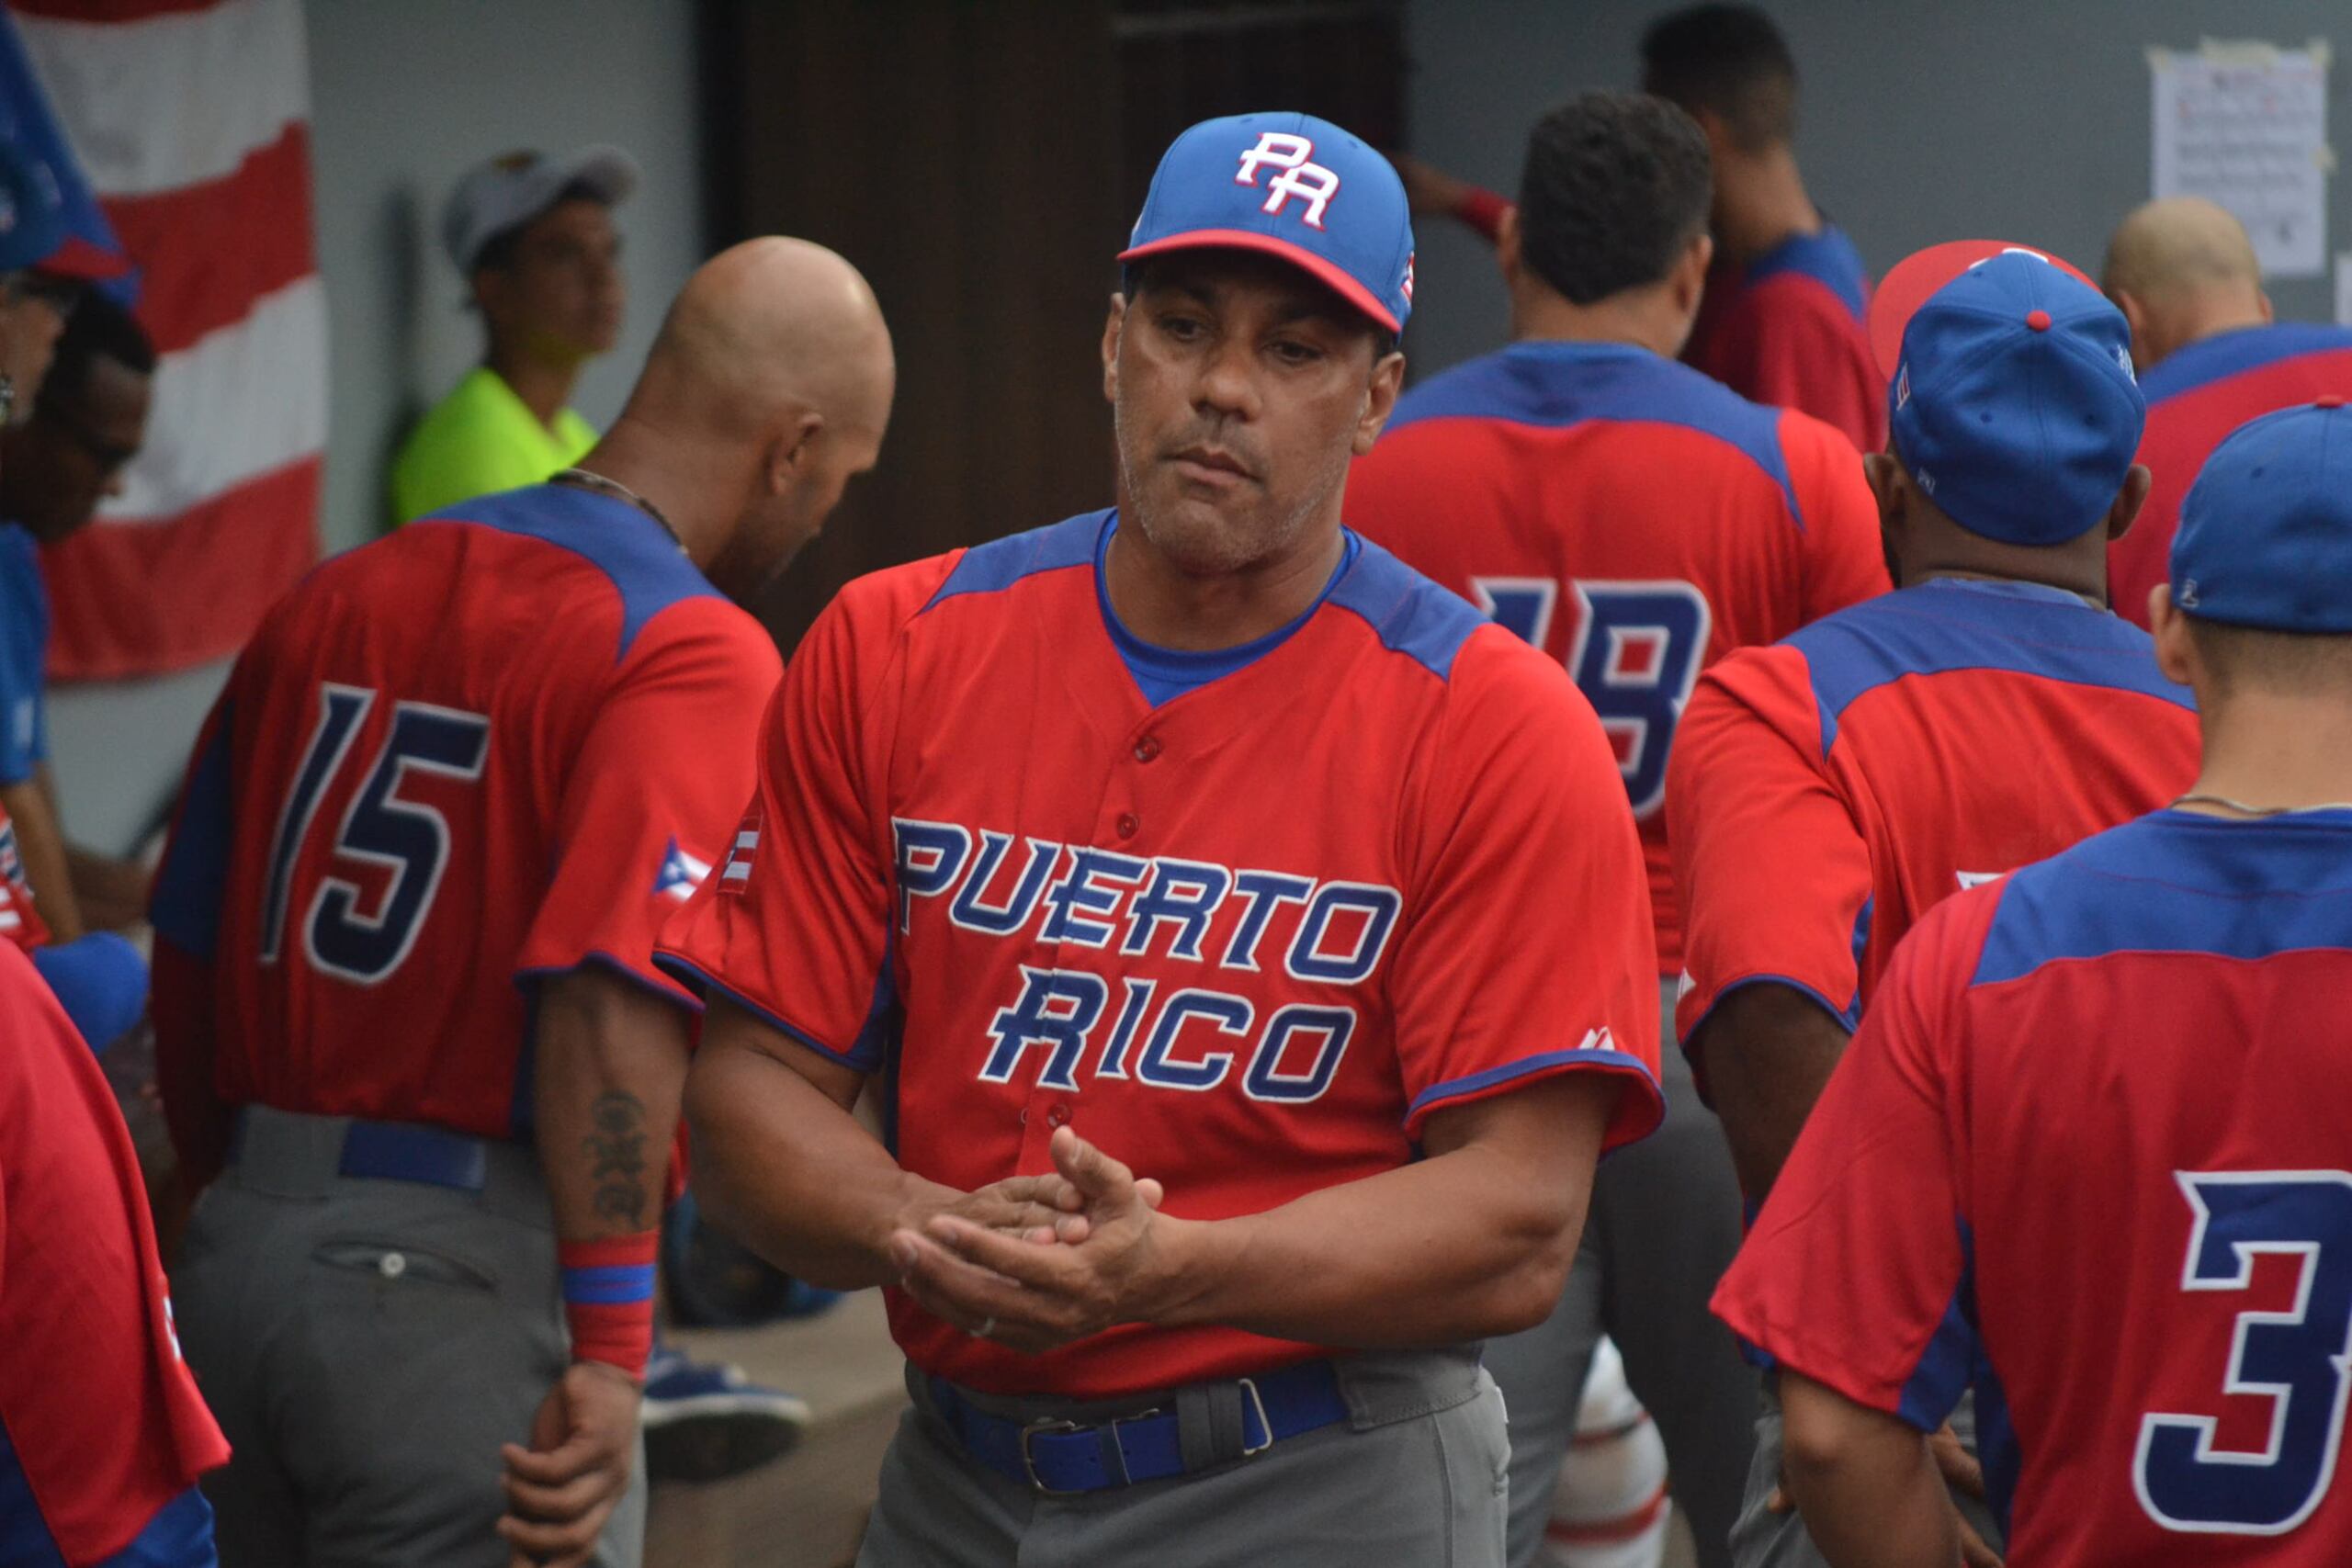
(515, 187)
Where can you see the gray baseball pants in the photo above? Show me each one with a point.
(1664, 1225)
(366, 1346)
(1416, 1475)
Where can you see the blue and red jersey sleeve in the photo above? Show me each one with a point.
(1788, 340)
(1856, 1271)
(1773, 871)
(1529, 950)
(664, 768)
(795, 925)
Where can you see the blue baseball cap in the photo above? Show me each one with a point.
(1293, 187)
(2012, 403)
(2265, 533)
(34, 228)
(32, 221)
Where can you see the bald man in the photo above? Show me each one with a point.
(406, 1011)
(2209, 358)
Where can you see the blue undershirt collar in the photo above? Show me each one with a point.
(1164, 674)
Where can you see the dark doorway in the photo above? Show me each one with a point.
(981, 163)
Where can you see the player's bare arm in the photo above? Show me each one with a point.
(1473, 1241)
(611, 1069)
(1869, 1492)
(1769, 1050)
(793, 1174)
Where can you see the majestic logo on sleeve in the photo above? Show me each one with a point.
(1229, 921)
(1309, 182)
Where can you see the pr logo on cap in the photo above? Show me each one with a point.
(1311, 183)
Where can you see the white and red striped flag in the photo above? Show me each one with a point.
(190, 119)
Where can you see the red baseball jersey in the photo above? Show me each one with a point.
(2094, 1124)
(1247, 940)
(1788, 329)
(20, 921)
(502, 743)
(1630, 518)
(2196, 396)
(102, 1431)
(1827, 792)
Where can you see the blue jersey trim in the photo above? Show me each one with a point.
(180, 1536)
(24, 655)
(25, 1535)
(1555, 385)
(2174, 882)
(1950, 1358)
(2216, 358)
(643, 562)
(1163, 674)
(999, 564)
(1848, 1016)
(1828, 258)
(861, 1058)
(1949, 624)
(185, 905)
(1406, 612)
(1469, 1084)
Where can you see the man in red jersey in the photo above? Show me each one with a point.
(1528, 481)
(1786, 298)
(1827, 791)
(1201, 871)
(404, 928)
(2184, 274)
(2088, 1150)
(102, 1432)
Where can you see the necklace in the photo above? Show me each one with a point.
(2243, 809)
(586, 480)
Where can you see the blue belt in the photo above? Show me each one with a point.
(403, 1151)
(1063, 1458)
(400, 1151)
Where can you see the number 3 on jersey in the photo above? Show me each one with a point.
(2299, 1359)
(1635, 657)
(407, 838)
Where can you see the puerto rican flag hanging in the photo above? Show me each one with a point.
(189, 122)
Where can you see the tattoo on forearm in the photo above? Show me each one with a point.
(616, 1149)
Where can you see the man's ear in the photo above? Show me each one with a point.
(2135, 316)
(1112, 323)
(1507, 253)
(1889, 485)
(1689, 279)
(2175, 649)
(2128, 500)
(2269, 314)
(1380, 401)
(792, 450)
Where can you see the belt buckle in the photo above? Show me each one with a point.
(1249, 1387)
(1029, 1461)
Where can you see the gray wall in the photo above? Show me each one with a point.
(1923, 119)
(404, 97)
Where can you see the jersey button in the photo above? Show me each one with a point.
(1058, 1117)
(392, 1265)
(1148, 748)
(1127, 825)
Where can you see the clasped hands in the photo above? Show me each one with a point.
(1035, 1262)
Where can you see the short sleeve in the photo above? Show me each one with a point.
(1845, 561)
(651, 798)
(1527, 949)
(796, 925)
(1856, 1271)
(1771, 868)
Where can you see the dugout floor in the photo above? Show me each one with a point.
(808, 1510)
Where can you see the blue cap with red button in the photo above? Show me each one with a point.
(2013, 404)
(1289, 185)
